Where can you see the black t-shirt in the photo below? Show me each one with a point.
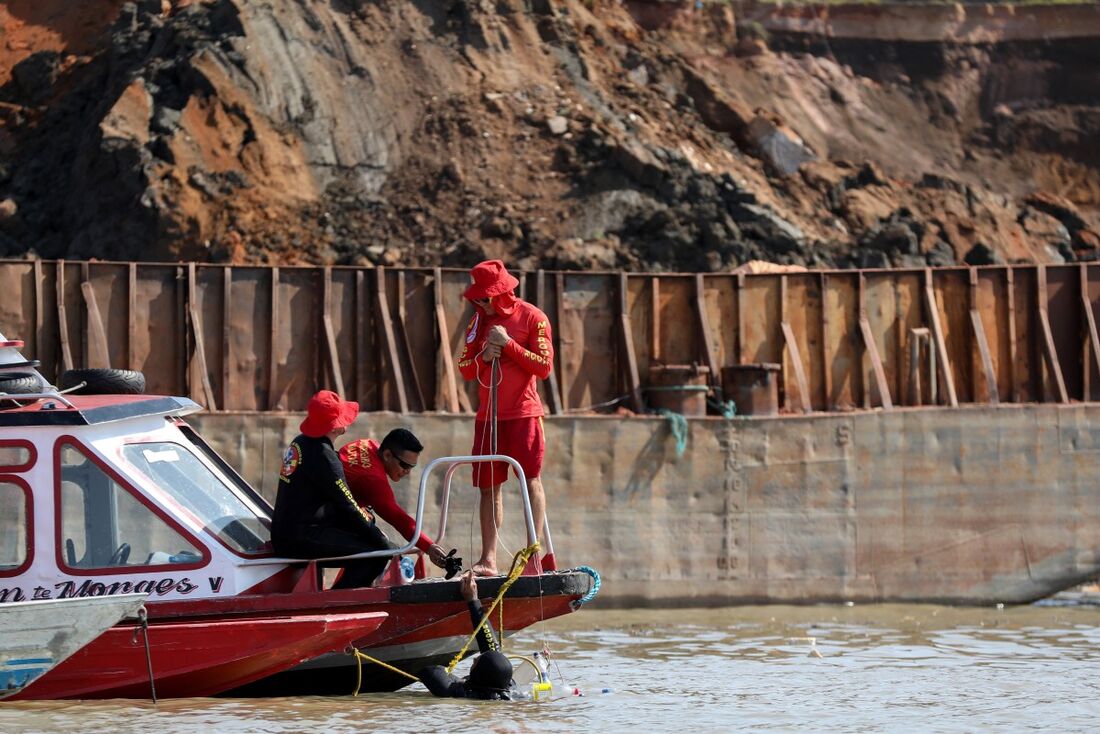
(313, 492)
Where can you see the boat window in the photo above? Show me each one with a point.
(103, 525)
(13, 526)
(180, 474)
(16, 455)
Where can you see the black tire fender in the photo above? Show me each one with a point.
(104, 381)
(20, 383)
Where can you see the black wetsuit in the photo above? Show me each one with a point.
(316, 517)
(445, 685)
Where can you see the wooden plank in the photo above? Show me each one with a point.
(937, 335)
(861, 315)
(131, 317)
(360, 336)
(987, 359)
(333, 353)
(402, 322)
(39, 307)
(1090, 323)
(826, 363)
(195, 319)
(555, 392)
(1049, 352)
(382, 308)
(273, 366)
(96, 338)
(655, 319)
(876, 364)
(227, 341)
(446, 359)
(1010, 295)
(799, 370)
(784, 382)
(702, 321)
(63, 319)
(916, 337)
(559, 306)
(974, 349)
(740, 318)
(630, 359)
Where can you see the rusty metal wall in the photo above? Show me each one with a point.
(263, 338)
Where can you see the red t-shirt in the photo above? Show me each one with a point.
(529, 355)
(371, 488)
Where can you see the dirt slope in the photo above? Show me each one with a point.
(553, 133)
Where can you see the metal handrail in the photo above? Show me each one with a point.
(452, 463)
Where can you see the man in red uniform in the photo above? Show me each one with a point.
(370, 467)
(516, 335)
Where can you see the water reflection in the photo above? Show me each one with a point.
(869, 668)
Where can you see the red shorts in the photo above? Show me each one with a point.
(520, 438)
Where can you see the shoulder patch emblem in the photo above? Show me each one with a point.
(291, 460)
(471, 333)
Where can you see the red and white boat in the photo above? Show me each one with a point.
(116, 494)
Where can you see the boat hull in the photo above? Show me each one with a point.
(40, 635)
(428, 623)
(197, 657)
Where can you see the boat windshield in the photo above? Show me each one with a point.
(189, 481)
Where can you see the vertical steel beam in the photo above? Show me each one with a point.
(195, 319)
(626, 341)
(1010, 295)
(937, 334)
(382, 306)
(559, 291)
(1090, 323)
(403, 324)
(273, 364)
(1049, 350)
(131, 317)
(227, 340)
(554, 391)
(329, 330)
(702, 320)
(450, 381)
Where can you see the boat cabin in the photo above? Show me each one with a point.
(114, 494)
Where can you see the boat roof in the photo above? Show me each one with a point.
(87, 410)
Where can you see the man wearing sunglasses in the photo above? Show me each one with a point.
(370, 467)
(516, 335)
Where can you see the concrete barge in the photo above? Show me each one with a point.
(931, 435)
(974, 505)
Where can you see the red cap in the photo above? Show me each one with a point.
(491, 279)
(327, 412)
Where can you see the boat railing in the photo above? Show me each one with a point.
(452, 463)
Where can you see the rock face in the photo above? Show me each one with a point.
(557, 133)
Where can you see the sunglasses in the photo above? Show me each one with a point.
(403, 464)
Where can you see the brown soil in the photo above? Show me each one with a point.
(555, 133)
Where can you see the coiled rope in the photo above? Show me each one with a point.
(596, 583)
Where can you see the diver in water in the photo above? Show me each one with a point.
(490, 676)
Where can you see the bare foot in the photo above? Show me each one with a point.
(481, 568)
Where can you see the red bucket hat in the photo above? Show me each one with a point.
(326, 412)
(491, 279)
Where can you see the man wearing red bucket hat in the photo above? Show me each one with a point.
(517, 336)
(315, 514)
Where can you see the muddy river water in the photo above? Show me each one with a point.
(768, 668)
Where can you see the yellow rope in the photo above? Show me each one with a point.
(360, 657)
(519, 562)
